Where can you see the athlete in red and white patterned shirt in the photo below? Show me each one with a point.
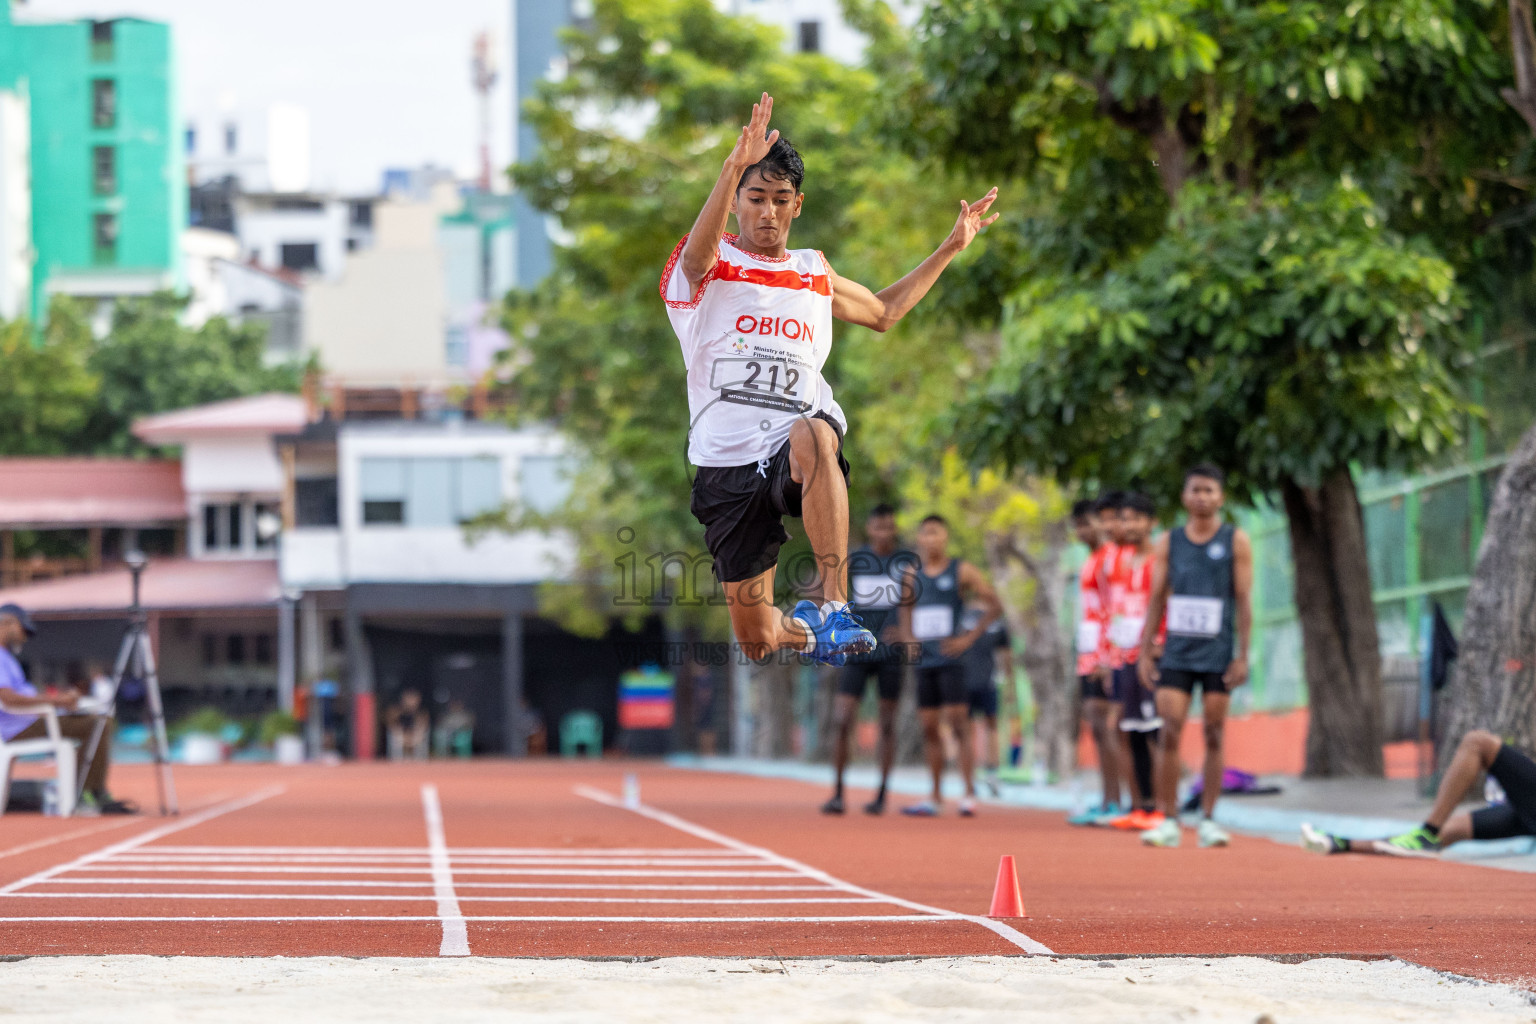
(1094, 522)
(754, 319)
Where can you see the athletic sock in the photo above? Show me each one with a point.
(831, 608)
(1433, 830)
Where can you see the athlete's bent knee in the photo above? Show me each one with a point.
(1482, 743)
(1215, 732)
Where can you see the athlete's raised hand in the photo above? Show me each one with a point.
(973, 217)
(756, 140)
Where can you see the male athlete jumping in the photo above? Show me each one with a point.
(754, 318)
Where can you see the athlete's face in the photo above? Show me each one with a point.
(1135, 527)
(1203, 496)
(765, 208)
(1087, 530)
(880, 531)
(932, 540)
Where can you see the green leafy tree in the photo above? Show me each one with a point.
(1254, 229)
(49, 388)
(150, 362)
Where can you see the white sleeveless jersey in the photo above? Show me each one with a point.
(755, 337)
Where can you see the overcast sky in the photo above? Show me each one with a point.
(386, 82)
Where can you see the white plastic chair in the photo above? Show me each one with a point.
(56, 746)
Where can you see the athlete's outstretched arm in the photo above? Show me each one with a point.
(704, 240)
(882, 310)
(1146, 668)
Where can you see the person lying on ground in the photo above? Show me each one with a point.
(1478, 752)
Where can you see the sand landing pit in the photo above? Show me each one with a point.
(720, 991)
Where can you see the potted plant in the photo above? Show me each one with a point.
(280, 731)
(202, 736)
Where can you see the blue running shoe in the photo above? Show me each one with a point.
(809, 614)
(844, 634)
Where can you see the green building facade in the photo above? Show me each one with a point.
(1422, 533)
(109, 189)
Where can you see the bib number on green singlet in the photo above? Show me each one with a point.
(1195, 616)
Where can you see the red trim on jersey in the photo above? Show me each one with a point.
(735, 241)
(666, 278)
(818, 283)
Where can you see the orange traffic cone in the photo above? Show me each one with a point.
(1006, 901)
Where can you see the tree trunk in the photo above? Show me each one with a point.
(1045, 650)
(773, 692)
(1493, 680)
(1340, 648)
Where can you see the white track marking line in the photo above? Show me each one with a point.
(102, 826)
(459, 885)
(144, 837)
(1012, 935)
(192, 862)
(455, 934)
(326, 869)
(930, 918)
(462, 851)
(380, 897)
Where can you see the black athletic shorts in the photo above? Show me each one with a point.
(1517, 817)
(1181, 679)
(1138, 709)
(1092, 689)
(742, 508)
(940, 685)
(983, 702)
(884, 664)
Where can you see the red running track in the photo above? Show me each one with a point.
(500, 858)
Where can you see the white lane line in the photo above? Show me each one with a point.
(425, 859)
(459, 884)
(455, 934)
(144, 837)
(326, 869)
(380, 897)
(465, 851)
(914, 918)
(1012, 935)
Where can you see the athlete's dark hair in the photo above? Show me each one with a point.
(1083, 508)
(1138, 502)
(1109, 501)
(882, 509)
(935, 518)
(1208, 471)
(781, 164)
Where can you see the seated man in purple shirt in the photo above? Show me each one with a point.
(18, 720)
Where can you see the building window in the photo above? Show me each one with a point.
(267, 522)
(101, 40)
(231, 138)
(810, 37)
(360, 214)
(234, 649)
(191, 139)
(429, 492)
(315, 502)
(104, 170)
(103, 103)
(223, 526)
(456, 347)
(337, 634)
(104, 235)
(544, 482)
(299, 255)
(262, 653)
(210, 650)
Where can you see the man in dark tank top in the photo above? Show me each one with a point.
(1202, 577)
(933, 597)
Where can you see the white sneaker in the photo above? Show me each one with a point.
(1167, 835)
(1212, 834)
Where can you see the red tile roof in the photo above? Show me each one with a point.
(171, 584)
(259, 414)
(65, 493)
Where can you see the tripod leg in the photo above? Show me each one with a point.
(167, 785)
(125, 653)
